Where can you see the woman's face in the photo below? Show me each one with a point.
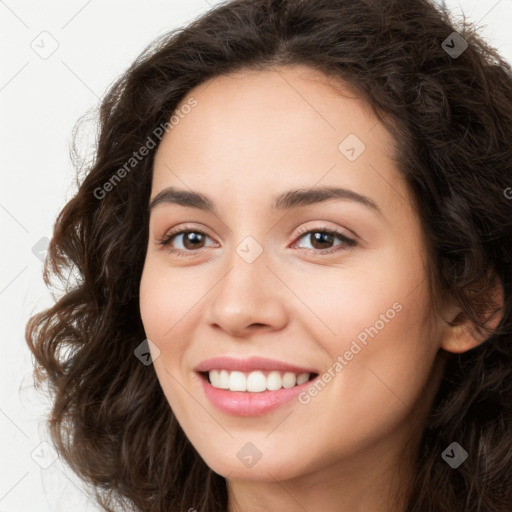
(264, 281)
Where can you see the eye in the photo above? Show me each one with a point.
(193, 240)
(321, 237)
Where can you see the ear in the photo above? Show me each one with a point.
(463, 335)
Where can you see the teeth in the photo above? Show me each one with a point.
(289, 380)
(219, 379)
(224, 379)
(257, 381)
(237, 381)
(274, 381)
(301, 378)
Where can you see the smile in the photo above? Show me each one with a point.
(251, 387)
(256, 381)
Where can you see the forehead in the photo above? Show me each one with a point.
(264, 130)
(285, 102)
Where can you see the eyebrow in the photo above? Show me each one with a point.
(285, 201)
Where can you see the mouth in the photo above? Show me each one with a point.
(254, 386)
(257, 381)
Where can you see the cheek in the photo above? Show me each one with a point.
(165, 298)
(387, 357)
(375, 324)
(369, 297)
(152, 297)
(161, 308)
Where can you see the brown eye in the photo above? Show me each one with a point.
(321, 240)
(190, 240)
(193, 240)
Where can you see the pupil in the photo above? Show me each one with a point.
(191, 237)
(319, 236)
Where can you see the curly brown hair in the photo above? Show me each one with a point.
(451, 117)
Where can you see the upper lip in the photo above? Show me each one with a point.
(248, 365)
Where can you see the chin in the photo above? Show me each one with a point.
(263, 470)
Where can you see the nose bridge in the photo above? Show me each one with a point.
(247, 278)
(249, 292)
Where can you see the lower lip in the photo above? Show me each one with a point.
(243, 403)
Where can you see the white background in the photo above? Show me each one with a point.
(40, 101)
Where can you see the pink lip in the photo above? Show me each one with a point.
(249, 365)
(243, 403)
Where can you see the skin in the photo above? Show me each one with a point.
(253, 135)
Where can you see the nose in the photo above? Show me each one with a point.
(249, 297)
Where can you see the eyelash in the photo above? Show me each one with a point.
(165, 241)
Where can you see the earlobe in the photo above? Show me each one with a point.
(460, 338)
(462, 335)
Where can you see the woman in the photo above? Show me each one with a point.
(214, 362)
